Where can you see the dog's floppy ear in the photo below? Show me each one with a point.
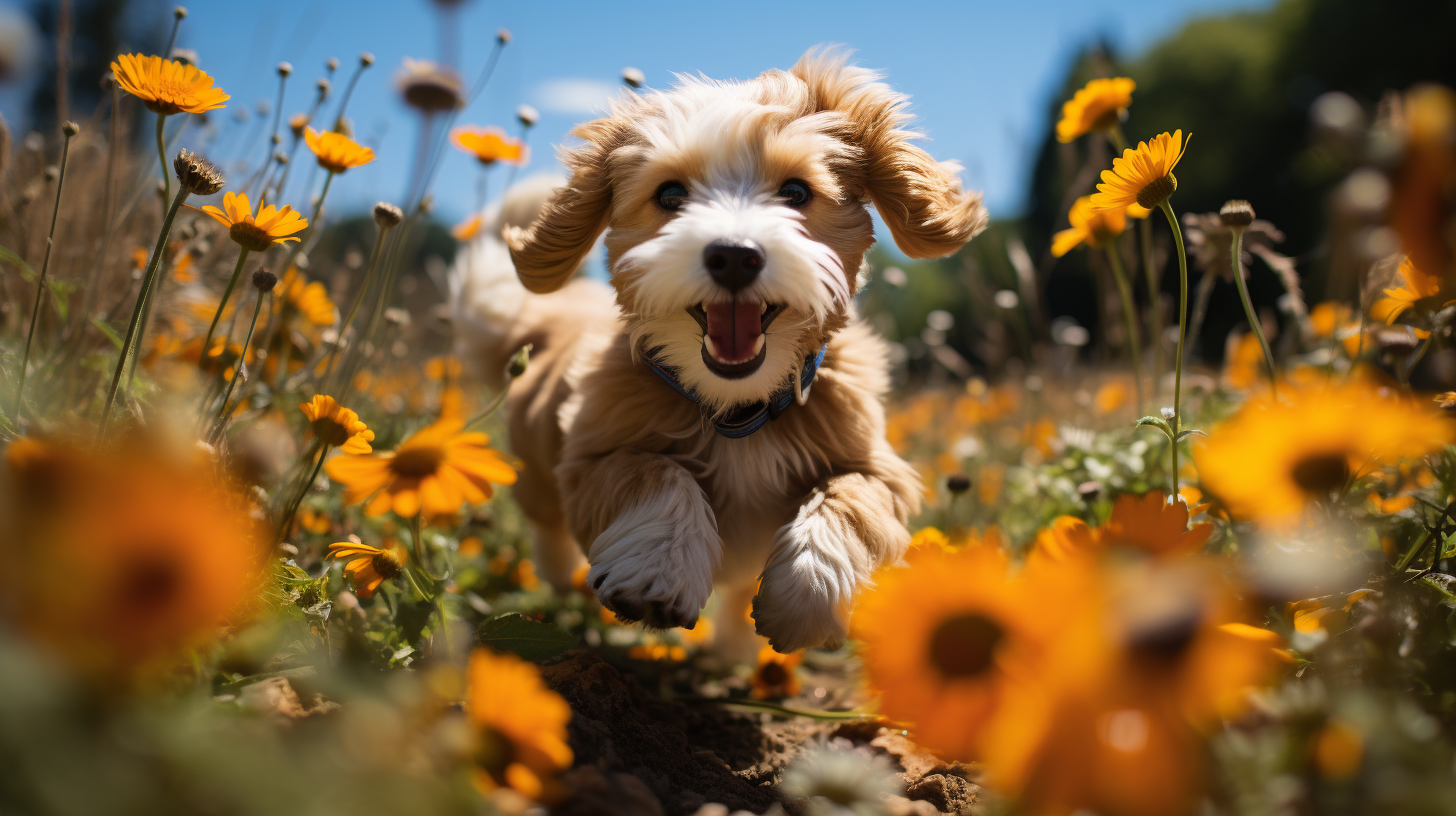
(547, 253)
(920, 199)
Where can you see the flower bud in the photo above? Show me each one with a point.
(70, 129)
(180, 12)
(324, 86)
(502, 35)
(52, 172)
(264, 280)
(387, 215)
(957, 483)
(366, 59)
(527, 116)
(519, 361)
(633, 77)
(396, 317)
(285, 68)
(1236, 213)
(332, 64)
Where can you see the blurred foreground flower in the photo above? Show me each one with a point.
(1090, 227)
(435, 471)
(520, 725)
(1096, 106)
(840, 783)
(122, 560)
(489, 145)
(1274, 457)
(1416, 286)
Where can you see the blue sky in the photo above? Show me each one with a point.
(981, 74)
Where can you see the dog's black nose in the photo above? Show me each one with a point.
(733, 265)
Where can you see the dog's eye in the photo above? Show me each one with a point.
(671, 195)
(795, 193)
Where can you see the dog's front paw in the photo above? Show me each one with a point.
(655, 563)
(804, 598)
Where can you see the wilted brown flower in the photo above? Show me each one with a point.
(197, 175)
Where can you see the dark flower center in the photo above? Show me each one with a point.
(386, 564)
(330, 432)
(1157, 192)
(1321, 473)
(494, 752)
(149, 583)
(417, 463)
(772, 675)
(250, 236)
(1164, 640)
(965, 645)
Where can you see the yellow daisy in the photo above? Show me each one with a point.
(369, 566)
(1096, 106)
(775, 676)
(1417, 286)
(434, 471)
(167, 87)
(335, 151)
(1142, 175)
(272, 226)
(1089, 227)
(489, 145)
(295, 294)
(519, 724)
(337, 426)
(1273, 457)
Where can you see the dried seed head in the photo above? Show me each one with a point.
(285, 68)
(957, 483)
(324, 86)
(186, 56)
(1236, 213)
(366, 59)
(180, 12)
(332, 64)
(52, 172)
(396, 317)
(296, 123)
(387, 215)
(263, 107)
(108, 81)
(264, 280)
(70, 129)
(633, 77)
(527, 115)
(502, 35)
(427, 205)
(430, 87)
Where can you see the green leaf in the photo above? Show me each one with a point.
(60, 290)
(1443, 584)
(526, 638)
(1156, 422)
(6, 256)
(1190, 432)
(106, 329)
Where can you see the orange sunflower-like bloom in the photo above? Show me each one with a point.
(272, 226)
(775, 675)
(1275, 456)
(335, 151)
(519, 725)
(1146, 524)
(962, 652)
(369, 566)
(1096, 106)
(295, 294)
(1142, 175)
(434, 471)
(121, 560)
(167, 87)
(1089, 227)
(489, 145)
(1417, 285)
(337, 426)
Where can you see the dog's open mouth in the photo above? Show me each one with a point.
(733, 335)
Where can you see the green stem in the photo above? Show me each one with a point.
(302, 491)
(1177, 422)
(358, 301)
(227, 396)
(1255, 325)
(1420, 545)
(1129, 313)
(162, 155)
(489, 409)
(1155, 320)
(226, 293)
(148, 283)
(419, 542)
(40, 283)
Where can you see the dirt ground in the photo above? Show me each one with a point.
(641, 752)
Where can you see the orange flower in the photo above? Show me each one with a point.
(1093, 228)
(490, 145)
(337, 426)
(1418, 285)
(272, 226)
(167, 87)
(468, 229)
(519, 723)
(335, 151)
(368, 566)
(1142, 175)
(775, 676)
(434, 471)
(1096, 106)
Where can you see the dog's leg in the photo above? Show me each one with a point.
(734, 640)
(654, 538)
(845, 528)
(555, 553)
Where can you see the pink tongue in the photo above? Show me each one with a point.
(734, 328)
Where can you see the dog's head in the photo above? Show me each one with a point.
(737, 216)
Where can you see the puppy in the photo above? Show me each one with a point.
(715, 415)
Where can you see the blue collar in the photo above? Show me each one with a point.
(745, 419)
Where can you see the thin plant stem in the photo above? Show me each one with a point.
(490, 409)
(40, 283)
(348, 92)
(358, 301)
(1177, 420)
(1129, 313)
(1155, 319)
(302, 491)
(226, 293)
(313, 225)
(172, 40)
(238, 367)
(162, 155)
(148, 282)
(1236, 246)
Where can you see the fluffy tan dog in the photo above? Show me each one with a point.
(715, 416)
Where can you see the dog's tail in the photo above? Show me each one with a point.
(486, 297)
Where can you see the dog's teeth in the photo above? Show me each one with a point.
(712, 349)
(763, 307)
(758, 346)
